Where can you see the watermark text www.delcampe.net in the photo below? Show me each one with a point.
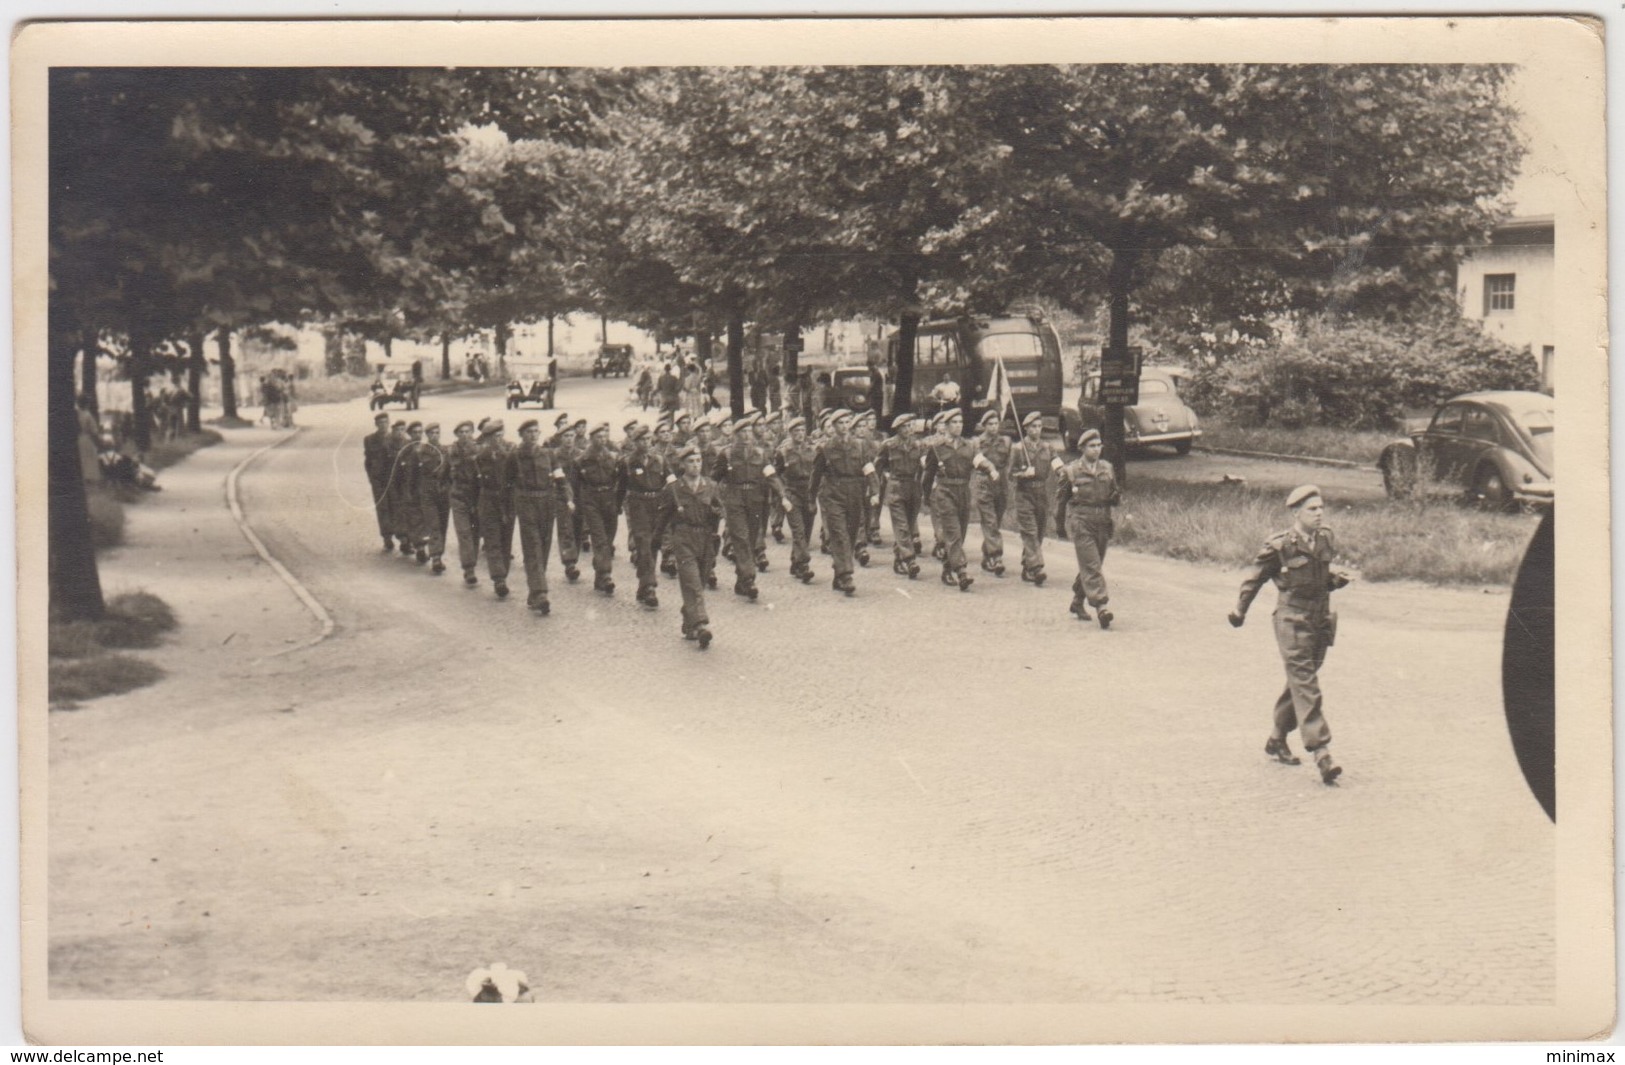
(90, 1057)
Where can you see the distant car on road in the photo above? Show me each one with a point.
(394, 386)
(850, 388)
(1161, 416)
(613, 360)
(530, 389)
(1496, 445)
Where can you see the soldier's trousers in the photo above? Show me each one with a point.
(904, 502)
(990, 499)
(408, 517)
(689, 544)
(950, 514)
(434, 510)
(465, 518)
(601, 518)
(841, 500)
(534, 509)
(1032, 518)
(569, 543)
(641, 508)
(1301, 633)
(746, 508)
(800, 520)
(496, 535)
(1090, 528)
(380, 506)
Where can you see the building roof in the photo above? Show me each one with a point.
(1532, 229)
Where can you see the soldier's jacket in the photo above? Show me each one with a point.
(996, 451)
(1299, 563)
(375, 456)
(534, 468)
(393, 446)
(741, 464)
(598, 466)
(643, 469)
(795, 463)
(1030, 464)
(947, 457)
(901, 458)
(697, 506)
(843, 459)
(493, 463)
(1086, 486)
(431, 471)
(464, 475)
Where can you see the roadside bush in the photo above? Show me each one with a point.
(81, 665)
(72, 680)
(1359, 374)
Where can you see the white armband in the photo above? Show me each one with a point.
(558, 475)
(1056, 464)
(868, 468)
(769, 471)
(670, 477)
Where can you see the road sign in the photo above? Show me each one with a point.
(1120, 376)
(795, 343)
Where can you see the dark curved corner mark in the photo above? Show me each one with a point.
(1528, 669)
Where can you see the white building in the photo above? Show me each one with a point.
(1507, 285)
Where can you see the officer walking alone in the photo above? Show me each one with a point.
(1299, 561)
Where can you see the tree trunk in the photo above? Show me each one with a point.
(228, 377)
(502, 332)
(604, 322)
(550, 336)
(195, 365)
(140, 413)
(908, 327)
(75, 585)
(445, 356)
(90, 380)
(1119, 282)
(736, 366)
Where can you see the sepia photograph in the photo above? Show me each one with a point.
(1005, 531)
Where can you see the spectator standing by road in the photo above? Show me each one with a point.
(670, 390)
(1299, 561)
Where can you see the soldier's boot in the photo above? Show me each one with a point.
(703, 635)
(668, 566)
(728, 550)
(913, 569)
(823, 544)
(1079, 608)
(572, 572)
(761, 562)
(746, 590)
(688, 631)
(993, 564)
(778, 531)
(406, 548)
(1039, 576)
(939, 551)
(862, 555)
(648, 598)
(1281, 752)
(389, 545)
(469, 578)
(438, 567)
(711, 581)
(899, 567)
(538, 602)
(602, 583)
(843, 583)
(1104, 616)
(948, 576)
(916, 545)
(1329, 770)
(422, 556)
(965, 581)
(502, 589)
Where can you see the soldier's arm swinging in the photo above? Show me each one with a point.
(1265, 566)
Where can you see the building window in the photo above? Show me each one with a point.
(1498, 292)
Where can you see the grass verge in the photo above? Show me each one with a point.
(1349, 445)
(166, 453)
(1429, 541)
(82, 663)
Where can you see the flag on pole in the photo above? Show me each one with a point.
(999, 396)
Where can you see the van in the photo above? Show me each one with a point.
(968, 350)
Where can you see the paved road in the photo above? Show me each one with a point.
(913, 795)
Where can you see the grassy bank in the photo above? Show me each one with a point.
(106, 500)
(1434, 542)
(1349, 445)
(85, 663)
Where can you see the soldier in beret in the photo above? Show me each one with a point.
(434, 495)
(409, 494)
(643, 477)
(689, 511)
(899, 464)
(950, 459)
(843, 477)
(794, 459)
(1088, 491)
(496, 503)
(1299, 561)
(988, 489)
(741, 470)
(539, 487)
(375, 459)
(598, 474)
(1031, 465)
(402, 516)
(465, 499)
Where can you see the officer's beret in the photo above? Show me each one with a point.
(399, 425)
(726, 428)
(636, 431)
(991, 416)
(528, 423)
(432, 427)
(1035, 418)
(841, 416)
(579, 423)
(380, 417)
(630, 427)
(1088, 435)
(687, 450)
(685, 417)
(463, 425)
(951, 413)
(1301, 495)
(601, 427)
(414, 425)
(774, 416)
(561, 421)
(900, 420)
(746, 420)
(491, 426)
(795, 423)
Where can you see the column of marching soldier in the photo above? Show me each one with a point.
(692, 489)
(695, 488)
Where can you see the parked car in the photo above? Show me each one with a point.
(394, 386)
(1161, 416)
(613, 360)
(1495, 445)
(850, 388)
(530, 389)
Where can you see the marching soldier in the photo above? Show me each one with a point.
(1088, 492)
(1030, 467)
(683, 430)
(843, 477)
(741, 473)
(689, 512)
(434, 495)
(774, 435)
(539, 485)
(375, 459)
(794, 460)
(863, 430)
(949, 462)
(410, 501)
(598, 471)
(496, 503)
(988, 489)
(644, 475)
(899, 461)
(1299, 561)
(567, 446)
(465, 499)
(402, 516)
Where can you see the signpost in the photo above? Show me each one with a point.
(1120, 377)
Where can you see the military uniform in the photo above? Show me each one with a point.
(644, 473)
(843, 478)
(375, 459)
(1031, 462)
(598, 471)
(1087, 495)
(1299, 561)
(496, 506)
(563, 444)
(465, 503)
(540, 488)
(689, 512)
(433, 476)
(794, 463)
(949, 463)
(740, 469)
(402, 511)
(899, 460)
(990, 496)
